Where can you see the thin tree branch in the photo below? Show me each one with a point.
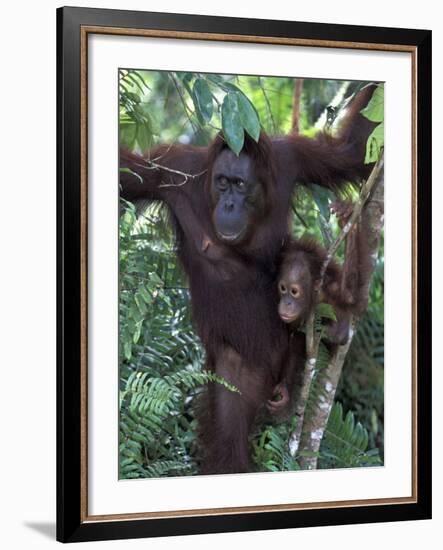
(151, 165)
(268, 105)
(364, 195)
(188, 112)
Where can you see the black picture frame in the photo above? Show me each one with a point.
(72, 525)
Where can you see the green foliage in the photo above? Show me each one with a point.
(191, 107)
(325, 311)
(198, 94)
(344, 445)
(156, 423)
(375, 143)
(136, 122)
(238, 115)
(345, 442)
(203, 100)
(374, 111)
(231, 123)
(248, 116)
(270, 451)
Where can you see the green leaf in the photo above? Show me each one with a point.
(140, 303)
(131, 77)
(134, 97)
(374, 421)
(326, 311)
(374, 110)
(144, 137)
(248, 116)
(155, 279)
(215, 78)
(138, 329)
(231, 123)
(374, 144)
(203, 100)
(145, 295)
(349, 424)
(345, 442)
(127, 350)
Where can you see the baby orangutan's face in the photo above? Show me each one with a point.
(295, 288)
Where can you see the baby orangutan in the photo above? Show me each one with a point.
(299, 279)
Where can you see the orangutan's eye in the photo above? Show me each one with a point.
(295, 291)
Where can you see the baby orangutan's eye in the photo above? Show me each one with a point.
(282, 288)
(295, 291)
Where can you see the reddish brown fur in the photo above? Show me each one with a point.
(233, 287)
(336, 290)
(305, 258)
(343, 288)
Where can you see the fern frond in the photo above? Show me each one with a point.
(270, 449)
(345, 442)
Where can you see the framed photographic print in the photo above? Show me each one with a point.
(244, 274)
